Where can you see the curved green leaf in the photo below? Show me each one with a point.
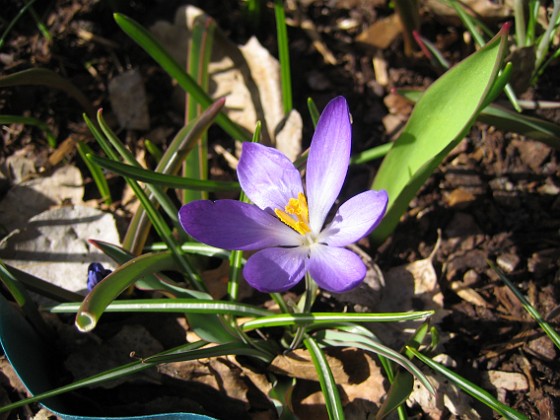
(117, 282)
(439, 121)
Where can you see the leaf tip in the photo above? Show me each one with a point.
(505, 28)
(85, 322)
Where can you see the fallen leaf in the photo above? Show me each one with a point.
(510, 381)
(382, 33)
(468, 294)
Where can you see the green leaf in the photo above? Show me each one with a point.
(509, 121)
(470, 388)
(398, 393)
(283, 55)
(239, 349)
(96, 173)
(439, 121)
(344, 339)
(195, 306)
(117, 282)
(164, 180)
(17, 119)
(326, 379)
(143, 38)
(198, 59)
(315, 319)
(545, 326)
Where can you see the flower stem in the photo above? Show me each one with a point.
(305, 305)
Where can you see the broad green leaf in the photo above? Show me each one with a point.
(470, 388)
(509, 121)
(439, 121)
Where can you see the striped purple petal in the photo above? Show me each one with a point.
(275, 269)
(231, 224)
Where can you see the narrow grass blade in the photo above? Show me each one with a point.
(14, 20)
(141, 36)
(159, 196)
(371, 154)
(44, 288)
(403, 381)
(314, 319)
(409, 16)
(473, 390)
(531, 310)
(17, 119)
(96, 173)
(198, 59)
(163, 180)
(401, 388)
(283, 56)
(156, 219)
(170, 164)
(345, 339)
(153, 150)
(431, 52)
(100, 378)
(193, 248)
(326, 379)
(239, 349)
(195, 306)
(46, 77)
(313, 111)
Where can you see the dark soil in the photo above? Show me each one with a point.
(494, 198)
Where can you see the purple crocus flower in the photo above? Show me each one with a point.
(96, 273)
(286, 222)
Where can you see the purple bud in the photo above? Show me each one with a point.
(96, 273)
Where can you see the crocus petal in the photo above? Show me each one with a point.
(327, 164)
(355, 219)
(267, 176)
(275, 269)
(232, 224)
(335, 269)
